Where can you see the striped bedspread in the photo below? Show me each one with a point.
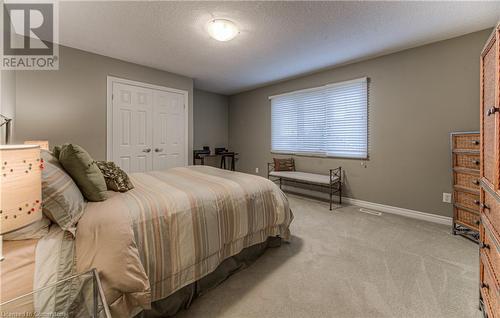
(173, 228)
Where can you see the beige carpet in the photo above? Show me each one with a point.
(350, 264)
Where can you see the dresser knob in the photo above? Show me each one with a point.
(492, 110)
(476, 162)
(477, 222)
(476, 182)
(475, 142)
(483, 245)
(476, 202)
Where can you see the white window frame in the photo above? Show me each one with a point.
(322, 155)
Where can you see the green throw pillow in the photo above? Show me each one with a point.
(84, 170)
(57, 150)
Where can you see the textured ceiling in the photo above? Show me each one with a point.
(278, 39)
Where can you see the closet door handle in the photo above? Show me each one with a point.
(492, 110)
(147, 150)
(158, 149)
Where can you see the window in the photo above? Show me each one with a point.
(330, 120)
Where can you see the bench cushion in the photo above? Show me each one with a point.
(303, 176)
(287, 164)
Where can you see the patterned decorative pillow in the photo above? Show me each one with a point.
(116, 179)
(62, 201)
(287, 164)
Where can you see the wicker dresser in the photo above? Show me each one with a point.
(489, 227)
(465, 162)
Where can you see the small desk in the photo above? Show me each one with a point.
(228, 154)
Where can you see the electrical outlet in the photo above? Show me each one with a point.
(446, 197)
(256, 170)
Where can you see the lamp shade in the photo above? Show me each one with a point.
(44, 144)
(20, 186)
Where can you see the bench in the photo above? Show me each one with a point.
(332, 181)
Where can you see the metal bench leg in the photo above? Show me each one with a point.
(340, 193)
(331, 195)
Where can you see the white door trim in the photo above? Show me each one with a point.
(109, 111)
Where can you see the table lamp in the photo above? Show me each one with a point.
(20, 187)
(44, 144)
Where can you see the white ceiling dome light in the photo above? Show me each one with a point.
(222, 30)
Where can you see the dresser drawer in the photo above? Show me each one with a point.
(490, 209)
(466, 160)
(490, 249)
(466, 217)
(489, 291)
(466, 199)
(466, 180)
(466, 141)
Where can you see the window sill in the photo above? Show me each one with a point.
(313, 155)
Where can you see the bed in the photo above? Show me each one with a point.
(173, 229)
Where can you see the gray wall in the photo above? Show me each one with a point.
(417, 97)
(7, 99)
(69, 105)
(211, 126)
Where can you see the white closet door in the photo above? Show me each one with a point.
(169, 144)
(132, 127)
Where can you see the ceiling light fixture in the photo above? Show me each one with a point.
(222, 30)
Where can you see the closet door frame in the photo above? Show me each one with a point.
(109, 111)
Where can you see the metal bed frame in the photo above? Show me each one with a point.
(335, 185)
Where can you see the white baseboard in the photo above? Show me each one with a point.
(376, 206)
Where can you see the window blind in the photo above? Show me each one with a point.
(330, 120)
